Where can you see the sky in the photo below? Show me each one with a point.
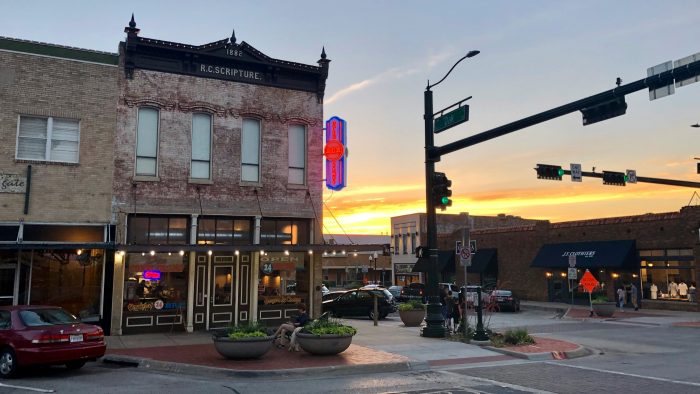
(535, 55)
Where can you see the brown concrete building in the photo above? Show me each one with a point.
(659, 253)
(345, 268)
(217, 185)
(57, 122)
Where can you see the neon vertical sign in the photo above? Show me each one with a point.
(336, 153)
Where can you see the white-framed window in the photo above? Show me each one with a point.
(147, 142)
(201, 146)
(297, 154)
(250, 150)
(48, 139)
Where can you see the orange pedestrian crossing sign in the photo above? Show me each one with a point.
(588, 281)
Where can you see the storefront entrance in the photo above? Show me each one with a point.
(222, 292)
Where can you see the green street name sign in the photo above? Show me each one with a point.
(451, 119)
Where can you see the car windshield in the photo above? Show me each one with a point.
(46, 317)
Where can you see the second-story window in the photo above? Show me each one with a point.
(147, 142)
(201, 146)
(297, 154)
(250, 151)
(48, 139)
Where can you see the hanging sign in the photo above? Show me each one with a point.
(336, 153)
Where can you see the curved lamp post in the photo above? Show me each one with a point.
(435, 323)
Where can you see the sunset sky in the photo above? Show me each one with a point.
(535, 55)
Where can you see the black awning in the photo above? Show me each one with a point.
(445, 258)
(484, 260)
(600, 254)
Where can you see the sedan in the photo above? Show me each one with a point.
(505, 299)
(360, 302)
(45, 335)
(331, 295)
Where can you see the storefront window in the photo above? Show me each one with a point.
(284, 232)
(157, 230)
(284, 278)
(155, 283)
(223, 231)
(67, 279)
(668, 275)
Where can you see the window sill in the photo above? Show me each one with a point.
(143, 178)
(198, 181)
(296, 186)
(249, 183)
(56, 163)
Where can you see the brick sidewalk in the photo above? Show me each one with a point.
(275, 359)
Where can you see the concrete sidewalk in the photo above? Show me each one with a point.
(388, 347)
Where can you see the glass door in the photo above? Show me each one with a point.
(222, 292)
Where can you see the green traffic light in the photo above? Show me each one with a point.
(444, 200)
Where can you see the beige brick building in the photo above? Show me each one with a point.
(57, 123)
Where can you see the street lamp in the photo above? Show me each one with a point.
(435, 323)
(373, 258)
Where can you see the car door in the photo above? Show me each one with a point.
(344, 304)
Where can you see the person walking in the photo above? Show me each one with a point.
(450, 308)
(621, 297)
(634, 296)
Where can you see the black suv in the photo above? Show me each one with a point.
(360, 302)
(414, 291)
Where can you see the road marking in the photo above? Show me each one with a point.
(501, 384)
(626, 374)
(27, 388)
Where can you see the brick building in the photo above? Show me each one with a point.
(659, 253)
(217, 183)
(57, 123)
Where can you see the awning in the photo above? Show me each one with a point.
(444, 257)
(484, 260)
(600, 254)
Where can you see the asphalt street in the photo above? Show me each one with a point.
(633, 355)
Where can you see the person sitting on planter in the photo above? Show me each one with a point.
(292, 327)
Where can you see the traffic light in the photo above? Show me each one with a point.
(441, 191)
(548, 171)
(614, 178)
(606, 110)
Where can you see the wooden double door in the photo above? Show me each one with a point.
(222, 290)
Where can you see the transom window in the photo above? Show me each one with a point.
(224, 231)
(48, 139)
(284, 231)
(157, 230)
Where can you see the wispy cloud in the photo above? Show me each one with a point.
(392, 73)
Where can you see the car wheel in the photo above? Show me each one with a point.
(8, 363)
(75, 364)
(371, 315)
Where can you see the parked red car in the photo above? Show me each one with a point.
(33, 335)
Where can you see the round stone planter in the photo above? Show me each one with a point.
(412, 318)
(606, 309)
(243, 348)
(323, 345)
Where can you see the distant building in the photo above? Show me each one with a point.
(345, 267)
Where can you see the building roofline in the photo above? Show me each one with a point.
(58, 51)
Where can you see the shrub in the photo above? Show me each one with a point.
(412, 305)
(329, 326)
(599, 299)
(518, 336)
(253, 329)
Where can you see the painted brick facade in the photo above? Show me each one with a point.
(32, 84)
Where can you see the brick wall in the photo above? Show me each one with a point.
(46, 86)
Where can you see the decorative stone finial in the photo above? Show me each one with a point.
(323, 52)
(132, 23)
(233, 36)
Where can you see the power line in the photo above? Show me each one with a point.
(339, 225)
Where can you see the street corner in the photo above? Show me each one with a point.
(544, 349)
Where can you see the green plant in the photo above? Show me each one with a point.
(599, 299)
(253, 329)
(329, 327)
(518, 336)
(412, 305)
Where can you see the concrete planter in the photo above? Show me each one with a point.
(412, 318)
(323, 345)
(606, 309)
(243, 348)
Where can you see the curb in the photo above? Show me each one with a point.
(569, 354)
(174, 367)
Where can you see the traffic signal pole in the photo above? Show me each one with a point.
(644, 179)
(653, 82)
(434, 319)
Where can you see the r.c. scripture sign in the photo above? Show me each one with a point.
(12, 183)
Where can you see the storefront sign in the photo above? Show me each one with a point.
(336, 153)
(12, 183)
(585, 253)
(403, 268)
(229, 72)
(151, 275)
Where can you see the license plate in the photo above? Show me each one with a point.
(76, 338)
